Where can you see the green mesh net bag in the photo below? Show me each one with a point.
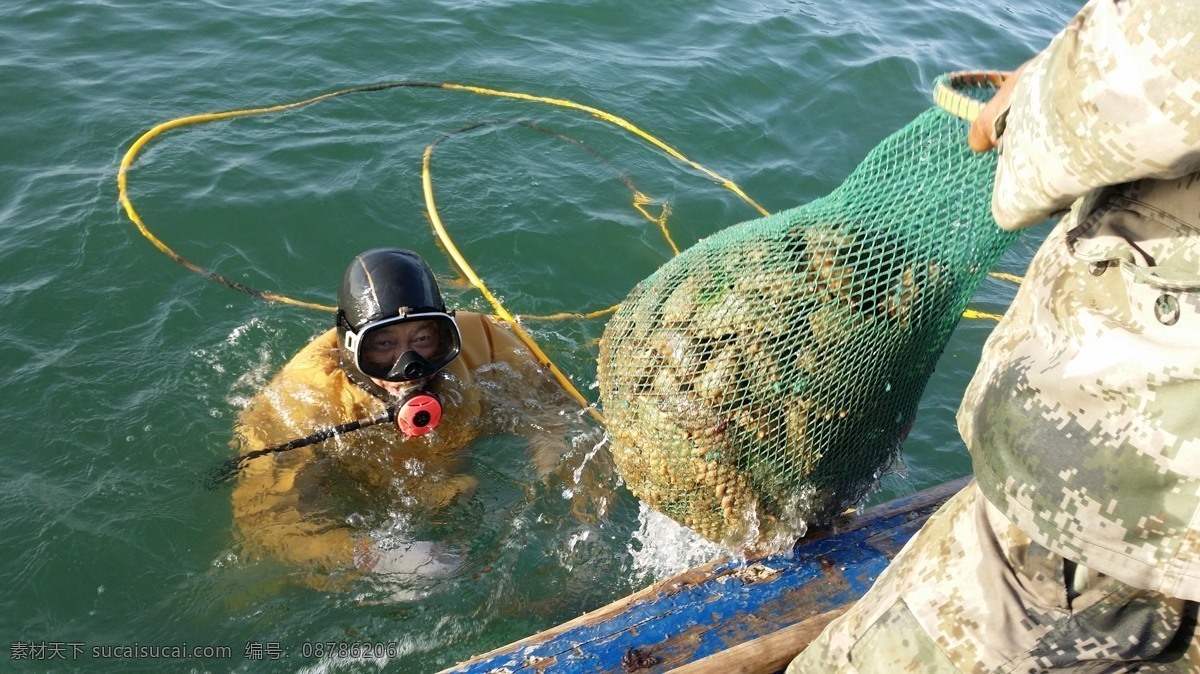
(762, 380)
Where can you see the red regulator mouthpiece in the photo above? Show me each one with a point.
(418, 414)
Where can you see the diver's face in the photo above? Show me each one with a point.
(383, 347)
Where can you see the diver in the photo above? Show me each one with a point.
(396, 350)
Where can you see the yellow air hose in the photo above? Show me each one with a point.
(949, 99)
(640, 200)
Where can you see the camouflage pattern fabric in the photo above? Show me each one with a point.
(1005, 604)
(1113, 99)
(1083, 418)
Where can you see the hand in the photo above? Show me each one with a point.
(423, 558)
(982, 135)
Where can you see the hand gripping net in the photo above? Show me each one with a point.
(762, 380)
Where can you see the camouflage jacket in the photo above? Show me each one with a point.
(1083, 418)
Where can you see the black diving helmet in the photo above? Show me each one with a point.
(392, 323)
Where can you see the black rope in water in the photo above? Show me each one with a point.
(225, 472)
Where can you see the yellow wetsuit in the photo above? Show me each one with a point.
(281, 501)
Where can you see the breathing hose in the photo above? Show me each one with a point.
(229, 468)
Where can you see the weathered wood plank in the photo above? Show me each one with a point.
(769, 653)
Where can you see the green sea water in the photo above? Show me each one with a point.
(122, 372)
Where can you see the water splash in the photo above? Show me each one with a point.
(661, 547)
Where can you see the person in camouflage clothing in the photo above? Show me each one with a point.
(1078, 543)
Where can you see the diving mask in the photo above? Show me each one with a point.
(406, 347)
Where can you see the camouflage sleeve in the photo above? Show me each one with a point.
(1114, 98)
